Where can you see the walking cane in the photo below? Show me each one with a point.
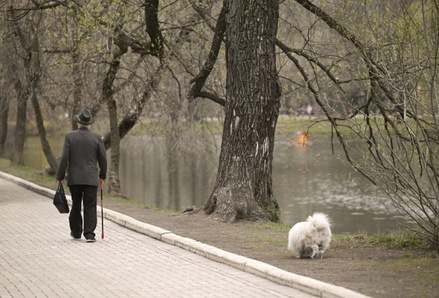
(102, 212)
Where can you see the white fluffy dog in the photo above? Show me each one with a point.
(310, 238)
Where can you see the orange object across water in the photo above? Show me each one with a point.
(301, 139)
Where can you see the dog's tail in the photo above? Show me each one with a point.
(319, 220)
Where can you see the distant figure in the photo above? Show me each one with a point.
(309, 110)
(83, 150)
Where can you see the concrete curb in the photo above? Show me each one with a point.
(303, 283)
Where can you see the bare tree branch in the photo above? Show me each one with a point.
(205, 71)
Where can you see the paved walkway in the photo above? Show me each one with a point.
(39, 259)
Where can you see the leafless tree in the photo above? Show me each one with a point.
(391, 136)
(27, 50)
(5, 96)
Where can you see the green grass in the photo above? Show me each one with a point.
(158, 128)
(27, 173)
(399, 240)
(272, 226)
(285, 125)
(48, 181)
(391, 240)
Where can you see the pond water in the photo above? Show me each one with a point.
(306, 179)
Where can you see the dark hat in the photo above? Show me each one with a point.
(84, 117)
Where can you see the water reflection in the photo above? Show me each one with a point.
(154, 176)
(309, 178)
(305, 179)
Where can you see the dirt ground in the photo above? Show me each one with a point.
(352, 263)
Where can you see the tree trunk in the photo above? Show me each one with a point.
(243, 188)
(77, 85)
(114, 182)
(173, 167)
(20, 128)
(33, 73)
(50, 157)
(121, 47)
(22, 91)
(108, 96)
(4, 112)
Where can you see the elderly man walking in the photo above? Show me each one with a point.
(83, 151)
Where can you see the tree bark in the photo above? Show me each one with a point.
(108, 96)
(4, 112)
(77, 85)
(50, 157)
(153, 27)
(114, 181)
(22, 97)
(243, 188)
(20, 127)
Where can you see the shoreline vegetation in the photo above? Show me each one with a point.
(286, 125)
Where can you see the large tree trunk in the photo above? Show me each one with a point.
(243, 188)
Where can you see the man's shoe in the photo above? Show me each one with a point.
(74, 237)
(91, 239)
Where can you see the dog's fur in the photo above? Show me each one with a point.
(310, 238)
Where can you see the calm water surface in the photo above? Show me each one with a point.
(305, 179)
